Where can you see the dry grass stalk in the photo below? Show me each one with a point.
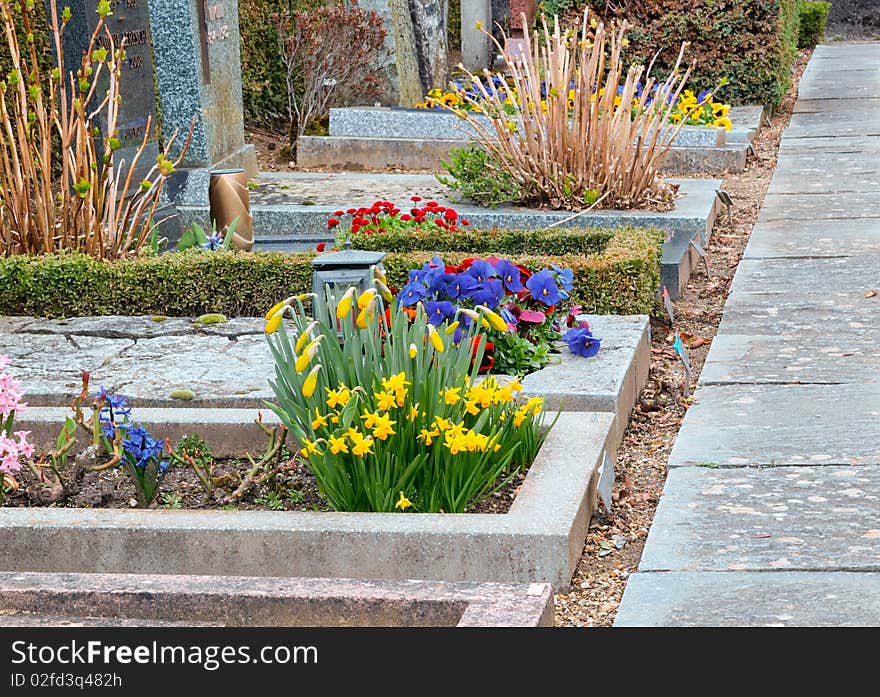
(571, 153)
(60, 187)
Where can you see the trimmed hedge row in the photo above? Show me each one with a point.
(550, 241)
(751, 42)
(813, 18)
(622, 279)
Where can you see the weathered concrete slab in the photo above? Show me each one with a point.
(820, 180)
(815, 238)
(139, 327)
(229, 366)
(710, 599)
(220, 373)
(746, 122)
(810, 276)
(867, 146)
(360, 154)
(781, 313)
(777, 518)
(742, 425)
(53, 364)
(163, 600)
(846, 163)
(821, 206)
(278, 209)
(539, 540)
(804, 357)
(846, 83)
(609, 381)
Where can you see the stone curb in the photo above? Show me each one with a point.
(149, 600)
(539, 540)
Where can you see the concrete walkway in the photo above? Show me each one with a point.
(771, 511)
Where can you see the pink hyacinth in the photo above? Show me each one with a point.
(11, 451)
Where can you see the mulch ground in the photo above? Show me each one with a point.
(616, 538)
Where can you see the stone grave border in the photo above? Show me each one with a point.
(51, 599)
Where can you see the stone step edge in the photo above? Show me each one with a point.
(180, 600)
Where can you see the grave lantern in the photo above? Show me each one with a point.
(339, 270)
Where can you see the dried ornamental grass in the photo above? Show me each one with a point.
(575, 139)
(61, 186)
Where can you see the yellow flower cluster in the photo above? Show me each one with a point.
(711, 113)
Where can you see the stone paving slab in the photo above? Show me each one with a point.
(835, 84)
(138, 327)
(848, 164)
(842, 357)
(815, 238)
(734, 426)
(794, 598)
(781, 313)
(775, 519)
(810, 276)
(166, 600)
(866, 146)
(821, 180)
(821, 206)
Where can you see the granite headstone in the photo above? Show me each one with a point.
(129, 26)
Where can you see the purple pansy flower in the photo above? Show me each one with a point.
(581, 342)
(510, 275)
(439, 311)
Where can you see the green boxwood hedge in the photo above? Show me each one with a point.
(621, 279)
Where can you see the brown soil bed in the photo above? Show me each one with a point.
(294, 488)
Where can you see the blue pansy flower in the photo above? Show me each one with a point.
(439, 311)
(461, 286)
(543, 288)
(411, 293)
(510, 275)
(481, 270)
(489, 293)
(581, 342)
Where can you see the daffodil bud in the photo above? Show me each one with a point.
(305, 337)
(384, 291)
(311, 382)
(274, 322)
(467, 312)
(307, 355)
(495, 320)
(435, 339)
(344, 306)
(450, 330)
(277, 307)
(413, 350)
(365, 298)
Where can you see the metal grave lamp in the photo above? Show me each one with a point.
(339, 270)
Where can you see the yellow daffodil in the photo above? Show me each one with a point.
(310, 448)
(436, 341)
(303, 360)
(396, 382)
(450, 330)
(305, 337)
(345, 302)
(426, 436)
(276, 308)
(413, 413)
(337, 444)
(385, 400)
(413, 350)
(403, 503)
(338, 397)
(364, 317)
(471, 407)
(311, 381)
(319, 420)
(366, 298)
(452, 395)
(519, 417)
(363, 447)
(370, 419)
(442, 424)
(383, 429)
